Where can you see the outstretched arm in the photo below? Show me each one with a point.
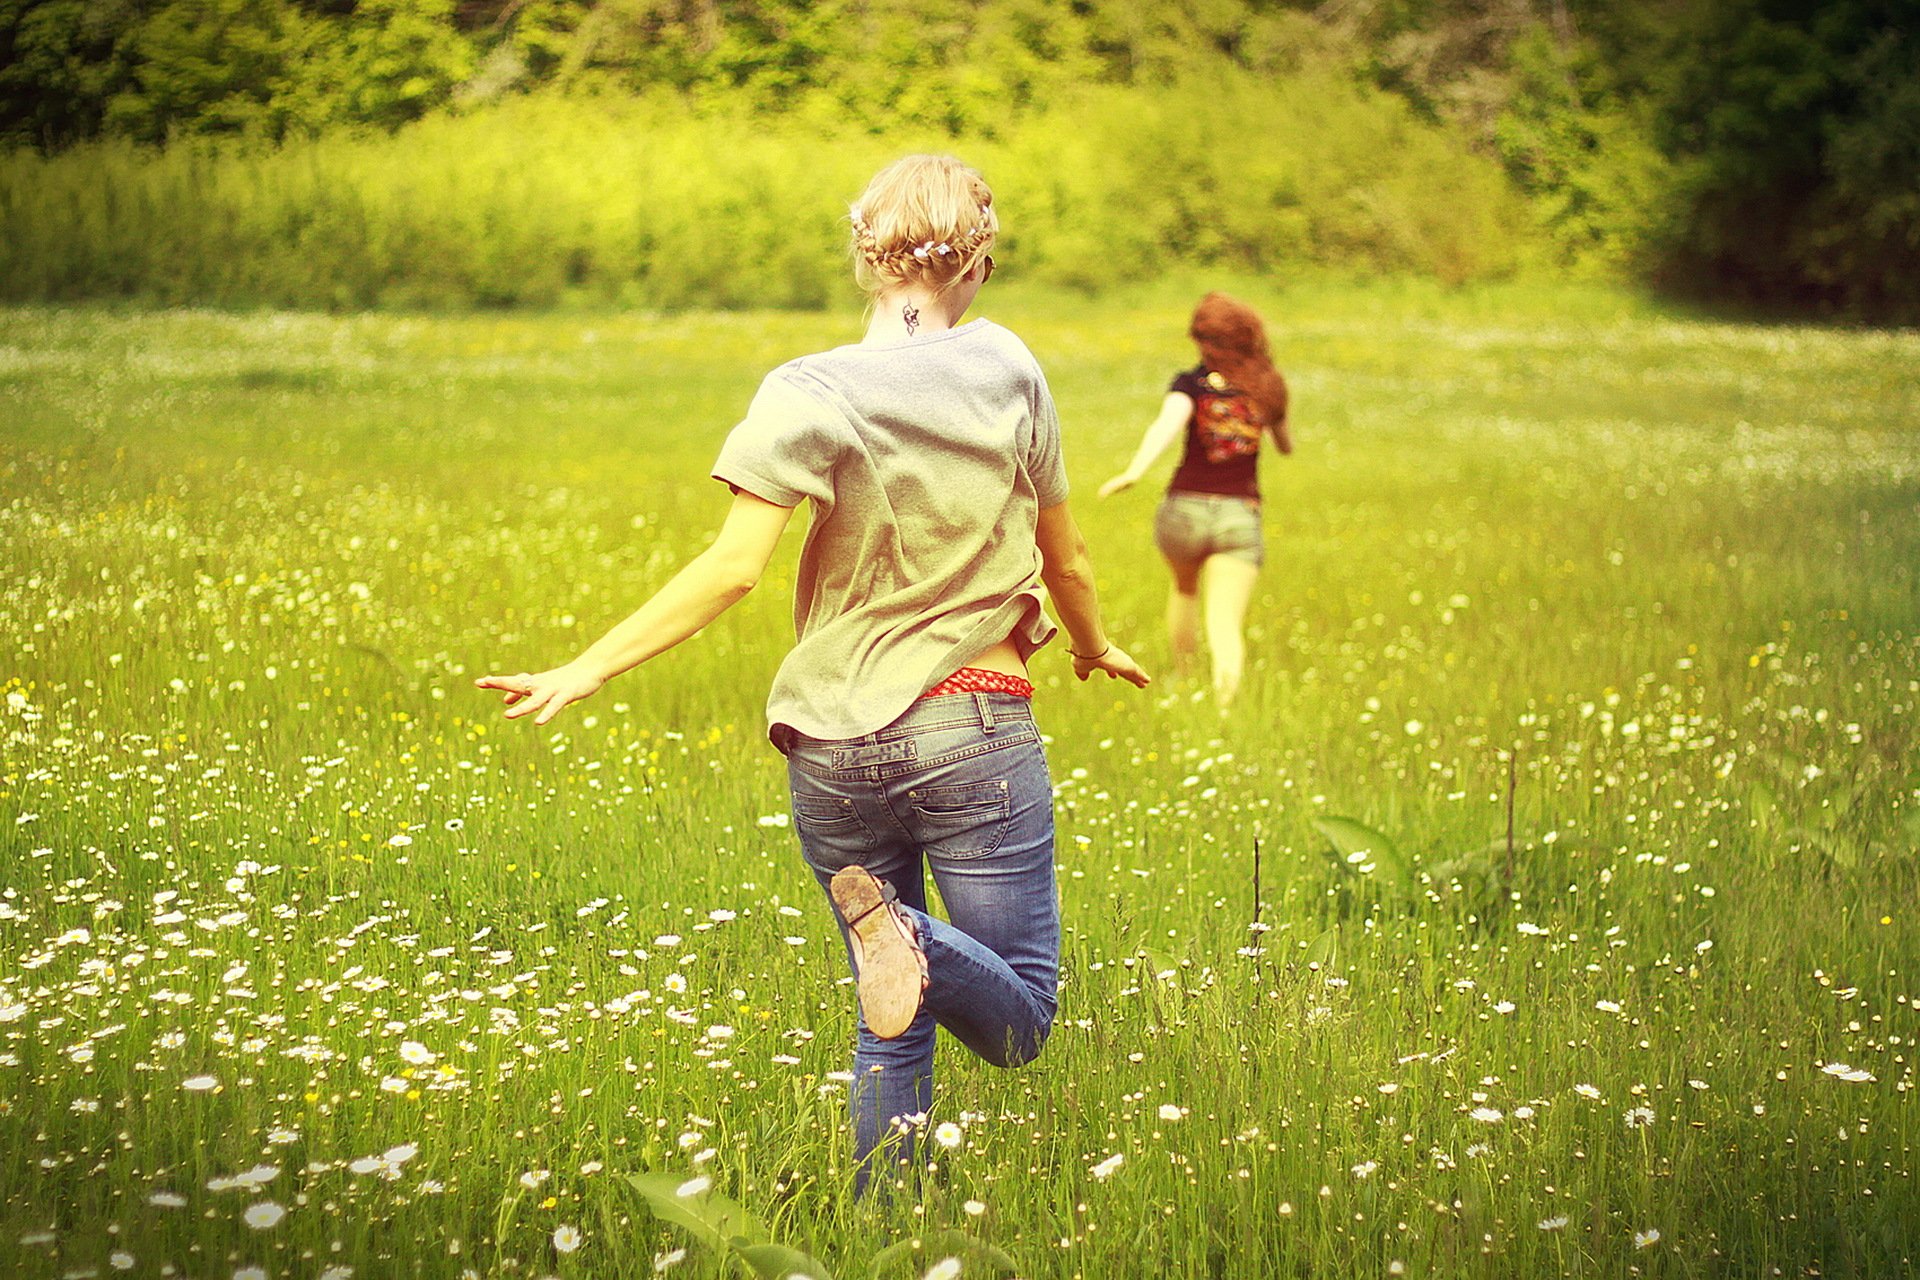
(1175, 411)
(1067, 571)
(1282, 437)
(710, 584)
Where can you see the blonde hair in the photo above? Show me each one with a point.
(923, 220)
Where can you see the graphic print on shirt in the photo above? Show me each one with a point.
(1225, 422)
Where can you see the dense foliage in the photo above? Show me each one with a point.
(550, 199)
(1803, 141)
(1761, 149)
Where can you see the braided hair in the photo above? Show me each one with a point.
(924, 220)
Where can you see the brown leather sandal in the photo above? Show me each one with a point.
(887, 958)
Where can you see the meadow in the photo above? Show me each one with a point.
(1546, 908)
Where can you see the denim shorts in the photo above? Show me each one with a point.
(1189, 527)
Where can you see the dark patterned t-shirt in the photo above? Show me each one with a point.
(1223, 437)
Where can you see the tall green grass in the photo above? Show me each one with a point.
(647, 203)
(263, 852)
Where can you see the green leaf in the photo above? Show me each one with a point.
(1840, 850)
(1474, 865)
(1358, 845)
(944, 1244)
(1323, 950)
(1762, 806)
(715, 1221)
(1160, 964)
(777, 1262)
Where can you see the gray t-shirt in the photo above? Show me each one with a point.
(928, 462)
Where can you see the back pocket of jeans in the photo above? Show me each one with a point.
(830, 824)
(968, 820)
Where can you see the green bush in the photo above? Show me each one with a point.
(645, 201)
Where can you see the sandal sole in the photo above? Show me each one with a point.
(890, 976)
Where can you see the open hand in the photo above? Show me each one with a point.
(543, 695)
(1117, 663)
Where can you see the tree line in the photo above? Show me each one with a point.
(1764, 150)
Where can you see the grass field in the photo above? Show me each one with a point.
(313, 966)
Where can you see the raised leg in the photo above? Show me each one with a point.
(1183, 615)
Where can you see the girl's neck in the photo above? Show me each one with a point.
(913, 313)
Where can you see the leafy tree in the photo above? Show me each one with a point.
(1801, 129)
(60, 62)
(1586, 157)
(203, 66)
(402, 58)
(1869, 246)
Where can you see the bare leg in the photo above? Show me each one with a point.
(1229, 587)
(1183, 615)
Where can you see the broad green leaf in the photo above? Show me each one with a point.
(1840, 850)
(1358, 845)
(778, 1262)
(975, 1253)
(1323, 950)
(716, 1221)
(1159, 962)
(1475, 864)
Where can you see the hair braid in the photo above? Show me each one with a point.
(924, 220)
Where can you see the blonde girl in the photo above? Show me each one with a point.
(930, 454)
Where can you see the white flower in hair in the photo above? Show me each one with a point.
(943, 249)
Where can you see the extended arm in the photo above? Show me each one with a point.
(710, 584)
(1282, 438)
(1175, 411)
(1067, 571)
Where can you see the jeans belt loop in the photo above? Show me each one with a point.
(986, 712)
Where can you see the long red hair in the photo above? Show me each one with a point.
(1233, 343)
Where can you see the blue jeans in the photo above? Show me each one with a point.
(958, 785)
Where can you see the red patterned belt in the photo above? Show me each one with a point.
(978, 680)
